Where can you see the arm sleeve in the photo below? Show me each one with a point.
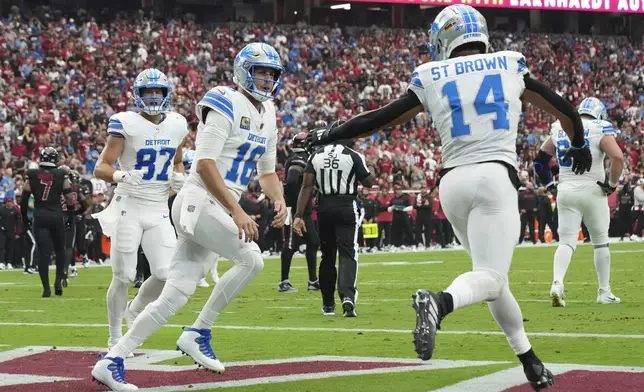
(115, 127)
(266, 164)
(374, 119)
(560, 104)
(212, 136)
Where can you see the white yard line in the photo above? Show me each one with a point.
(350, 330)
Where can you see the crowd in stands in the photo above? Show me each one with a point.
(63, 76)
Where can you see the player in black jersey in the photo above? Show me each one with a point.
(74, 223)
(294, 169)
(48, 184)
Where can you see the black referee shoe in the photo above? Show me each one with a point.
(349, 308)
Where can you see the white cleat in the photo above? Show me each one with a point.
(203, 283)
(195, 343)
(111, 373)
(557, 294)
(607, 297)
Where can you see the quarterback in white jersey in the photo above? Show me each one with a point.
(147, 145)
(475, 100)
(583, 198)
(237, 134)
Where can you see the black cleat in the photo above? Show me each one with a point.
(314, 286)
(428, 320)
(349, 308)
(538, 376)
(328, 310)
(58, 290)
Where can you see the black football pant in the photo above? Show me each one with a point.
(50, 229)
(547, 220)
(527, 218)
(339, 227)
(424, 227)
(7, 241)
(291, 244)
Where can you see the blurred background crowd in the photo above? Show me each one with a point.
(63, 75)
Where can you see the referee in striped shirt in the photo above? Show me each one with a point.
(336, 170)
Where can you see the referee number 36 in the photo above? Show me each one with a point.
(331, 163)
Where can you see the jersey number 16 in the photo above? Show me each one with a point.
(250, 163)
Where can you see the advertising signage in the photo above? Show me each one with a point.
(621, 6)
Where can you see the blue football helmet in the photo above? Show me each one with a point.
(454, 26)
(257, 55)
(152, 78)
(594, 108)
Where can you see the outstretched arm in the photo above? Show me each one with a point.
(395, 113)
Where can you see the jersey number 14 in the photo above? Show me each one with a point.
(491, 83)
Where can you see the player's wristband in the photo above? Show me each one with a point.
(119, 175)
(613, 184)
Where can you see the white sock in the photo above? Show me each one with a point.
(153, 317)
(475, 286)
(148, 292)
(247, 266)
(507, 314)
(602, 265)
(116, 303)
(563, 255)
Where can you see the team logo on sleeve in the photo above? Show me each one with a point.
(245, 123)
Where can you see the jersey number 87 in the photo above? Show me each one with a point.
(563, 145)
(147, 157)
(491, 83)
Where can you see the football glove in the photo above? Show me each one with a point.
(317, 137)
(132, 177)
(606, 187)
(581, 157)
(320, 135)
(177, 181)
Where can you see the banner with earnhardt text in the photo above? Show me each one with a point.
(622, 6)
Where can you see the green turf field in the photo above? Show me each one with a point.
(263, 324)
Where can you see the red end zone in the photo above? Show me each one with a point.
(67, 370)
(593, 381)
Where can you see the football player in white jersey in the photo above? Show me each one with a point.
(583, 197)
(237, 133)
(475, 101)
(148, 146)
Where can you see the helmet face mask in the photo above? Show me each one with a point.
(147, 82)
(252, 70)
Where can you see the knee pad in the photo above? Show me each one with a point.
(124, 266)
(185, 287)
(161, 273)
(501, 280)
(251, 260)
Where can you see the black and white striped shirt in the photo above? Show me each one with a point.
(337, 169)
